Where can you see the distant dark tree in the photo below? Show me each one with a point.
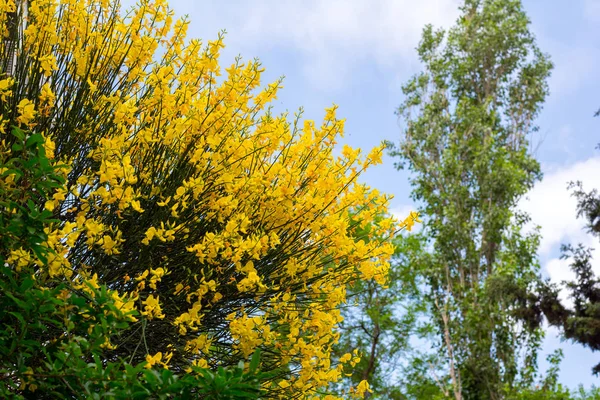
(580, 324)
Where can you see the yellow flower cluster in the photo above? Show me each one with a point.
(158, 359)
(184, 179)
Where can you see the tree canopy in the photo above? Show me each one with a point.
(467, 119)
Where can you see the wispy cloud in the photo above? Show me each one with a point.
(333, 37)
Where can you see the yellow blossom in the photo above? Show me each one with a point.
(5, 85)
(247, 211)
(362, 388)
(26, 110)
(152, 308)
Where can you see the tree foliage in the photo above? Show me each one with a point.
(379, 322)
(468, 116)
(210, 227)
(581, 322)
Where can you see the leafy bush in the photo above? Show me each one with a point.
(187, 227)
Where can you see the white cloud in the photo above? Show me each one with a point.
(551, 206)
(332, 37)
(559, 270)
(402, 211)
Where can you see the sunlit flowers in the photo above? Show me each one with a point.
(220, 227)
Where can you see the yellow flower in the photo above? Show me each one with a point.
(200, 362)
(126, 304)
(255, 188)
(109, 245)
(47, 64)
(415, 216)
(93, 228)
(108, 345)
(93, 87)
(19, 258)
(157, 275)
(5, 85)
(178, 288)
(26, 110)
(153, 360)
(152, 308)
(93, 281)
(363, 387)
(200, 344)
(283, 384)
(49, 148)
(135, 204)
(345, 358)
(167, 359)
(409, 222)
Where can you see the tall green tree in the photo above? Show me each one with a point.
(468, 116)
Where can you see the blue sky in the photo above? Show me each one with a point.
(357, 54)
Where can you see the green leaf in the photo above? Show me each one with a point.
(27, 284)
(18, 173)
(18, 133)
(33, 140)
(255, 361)
(18, 316)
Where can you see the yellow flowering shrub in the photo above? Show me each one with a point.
(228, 229)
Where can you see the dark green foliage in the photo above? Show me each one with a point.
(21, 219)
(580, 324)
